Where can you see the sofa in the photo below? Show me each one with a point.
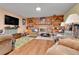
(8, 42)
(5, 44)
(65, 46)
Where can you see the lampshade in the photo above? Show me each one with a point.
(74, 18)
(62, 23)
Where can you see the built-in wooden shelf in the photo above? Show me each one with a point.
(51, 21)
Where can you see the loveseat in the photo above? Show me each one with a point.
(65, 46)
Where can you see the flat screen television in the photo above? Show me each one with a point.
(9, 20)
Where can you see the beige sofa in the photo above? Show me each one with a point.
(5, 44)
(66, 46)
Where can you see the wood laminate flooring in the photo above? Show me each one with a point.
(34, 47)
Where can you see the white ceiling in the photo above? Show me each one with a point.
(28, 9)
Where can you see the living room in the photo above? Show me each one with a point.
(39, 29)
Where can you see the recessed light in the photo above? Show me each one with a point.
(38, 9)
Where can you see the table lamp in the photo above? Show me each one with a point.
(62, 23)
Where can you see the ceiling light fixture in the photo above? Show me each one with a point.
(38, 9)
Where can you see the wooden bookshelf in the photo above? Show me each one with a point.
(52, 21)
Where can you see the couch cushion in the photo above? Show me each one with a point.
(5, 44)
(5, 37)
(61, 50)
(71, 43)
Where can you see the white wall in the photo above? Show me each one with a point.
(73, 10)
(2, 17)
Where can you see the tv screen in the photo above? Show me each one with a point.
(9, 20)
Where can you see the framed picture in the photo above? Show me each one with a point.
(23, 21)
